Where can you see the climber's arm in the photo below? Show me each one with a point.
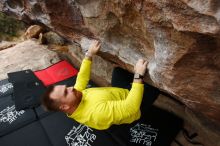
(83, 76)
(131, 105)
(129, 108)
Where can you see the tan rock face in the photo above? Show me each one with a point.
(179, 38)
(26, 55)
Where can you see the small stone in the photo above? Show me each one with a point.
(33, 32)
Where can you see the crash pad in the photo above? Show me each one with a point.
(10, 118)
(56, 73)
(28, 89)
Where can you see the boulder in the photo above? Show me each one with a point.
(33, 31)
(26, 55)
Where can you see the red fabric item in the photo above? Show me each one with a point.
(56, 73)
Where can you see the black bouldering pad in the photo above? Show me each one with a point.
(10, 118)
(30, 135)
(156, 127)
(6, 88)
(28, 89)
(63, 131)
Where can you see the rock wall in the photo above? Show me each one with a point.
(179, 38)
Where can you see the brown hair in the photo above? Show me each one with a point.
(48, 103)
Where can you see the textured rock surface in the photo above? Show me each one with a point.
(179, 38)
(101, 69)
(26, 55)
(202, 135)
(6, 44)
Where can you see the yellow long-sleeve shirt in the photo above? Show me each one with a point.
(101, 107)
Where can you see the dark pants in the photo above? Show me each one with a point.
(123, 79)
